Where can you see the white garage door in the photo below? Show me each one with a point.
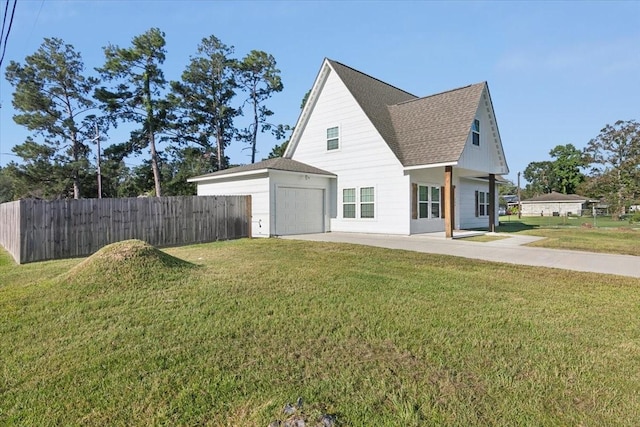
(299, 211)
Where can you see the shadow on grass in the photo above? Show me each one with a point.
(513, 226)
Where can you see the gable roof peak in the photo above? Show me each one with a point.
(333, 64)
(483, 83)
(418, 130)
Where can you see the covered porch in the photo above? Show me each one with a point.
(447, 199)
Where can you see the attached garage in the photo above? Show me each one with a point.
(287, 197)
(299, 210)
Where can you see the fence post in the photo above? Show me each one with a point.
(248, 216)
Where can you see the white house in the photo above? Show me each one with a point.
(555, 203)
(368, 157)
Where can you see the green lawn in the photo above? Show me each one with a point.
(610, 236)
(371, 336)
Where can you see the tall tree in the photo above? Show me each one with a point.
(615, 158)
(7, 185)
(137, 95)
(260, 78)
(278, 150)
(41, 173)
(541, 177)
(567, 168)
(205, 94)
(184, 163)
(53, 95)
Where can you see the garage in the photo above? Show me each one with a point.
(287, 197)
(299, 210)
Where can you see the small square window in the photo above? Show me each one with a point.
(366, 195)
(349, 210)
(366, 210)
(333, 138)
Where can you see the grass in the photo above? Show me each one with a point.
(577, 234)
(372, 336)
(565, 221)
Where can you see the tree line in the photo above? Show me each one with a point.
(69, 112)
(607, 169)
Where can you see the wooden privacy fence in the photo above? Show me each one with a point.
(35, 230)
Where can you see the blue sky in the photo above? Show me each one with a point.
(558, 71)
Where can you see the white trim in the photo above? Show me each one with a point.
(255, 172)
(334, 176)
(228, 175)
(492, 116)
(430, 166)
(303, 118)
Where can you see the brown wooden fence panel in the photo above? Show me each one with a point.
(35, 230)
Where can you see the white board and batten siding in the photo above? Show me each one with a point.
(255, 185)
(488, 156)
(363, 159)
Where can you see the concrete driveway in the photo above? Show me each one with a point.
(509, 250)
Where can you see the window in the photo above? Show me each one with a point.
(349, 203)
(423, 201)
(482, 203)
(428, 202)
(333, 139)
(475, 132)
(435, 202)
(366, 202)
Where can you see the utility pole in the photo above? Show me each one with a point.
(98, 164)
(519, 204)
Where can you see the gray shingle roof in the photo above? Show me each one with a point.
(556, 197)
(434, 129)
(279, 163)
(419, 131)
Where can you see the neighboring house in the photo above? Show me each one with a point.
(368, 157)
(511, 201)
(555, 204)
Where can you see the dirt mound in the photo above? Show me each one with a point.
(129, 261)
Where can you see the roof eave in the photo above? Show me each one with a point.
(226, 175)
(430, 166)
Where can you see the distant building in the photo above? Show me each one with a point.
(556, 204)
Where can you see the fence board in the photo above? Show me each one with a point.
(35, 230)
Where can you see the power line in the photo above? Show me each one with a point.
(6, 37)
(4, 19)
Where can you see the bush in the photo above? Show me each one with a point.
(635, 218)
